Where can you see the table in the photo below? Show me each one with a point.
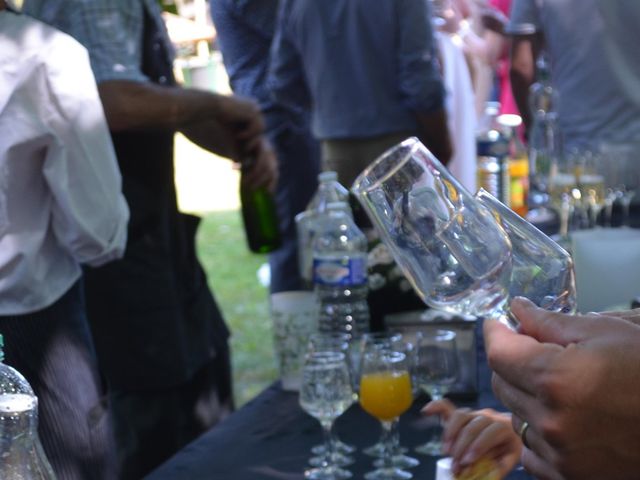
(270, 438)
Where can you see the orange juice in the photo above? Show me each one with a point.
(385, 395)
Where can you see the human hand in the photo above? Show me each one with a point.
(473, 435)
(263, 169)
(574, 380)
(244, 117)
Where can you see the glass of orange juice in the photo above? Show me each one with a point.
(385, 393)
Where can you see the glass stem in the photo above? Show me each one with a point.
(327, 460)
(395, 438)
(386, 441)
(626, 204)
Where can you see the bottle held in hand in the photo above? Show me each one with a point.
(259, 215)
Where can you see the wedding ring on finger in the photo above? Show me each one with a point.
(522, 432)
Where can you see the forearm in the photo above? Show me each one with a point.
(133, 105)
(522, 73)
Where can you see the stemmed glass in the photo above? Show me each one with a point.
(390, 341)
(449, 246)
(385, 393)
(541, 270)
(435, 371)
(325, 393)
(622, 178)
(334, 342)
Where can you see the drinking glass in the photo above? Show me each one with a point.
(435, 371)
(390, 341)
(542, 270)
(385, 393)
(449, 246)
(325, 393)
(333, 342)
(619, 167)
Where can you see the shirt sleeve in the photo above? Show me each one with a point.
(286, 78)
(89, 214)
(524, 19)
(420, 81)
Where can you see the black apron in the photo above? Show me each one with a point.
(154, 319)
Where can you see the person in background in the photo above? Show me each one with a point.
(370, 77)
(471, 436)
(61, 205)
(592, 107)
(571, 383)
(160, 337)
(245, 32)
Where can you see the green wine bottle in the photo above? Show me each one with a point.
(260, 217)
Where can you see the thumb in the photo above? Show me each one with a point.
(549, 327)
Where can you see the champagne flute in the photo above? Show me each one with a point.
(333, 342)
(451, 249)
(325, 393)
(435, 371)
(385, 393)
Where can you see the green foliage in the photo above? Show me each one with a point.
(232, 272)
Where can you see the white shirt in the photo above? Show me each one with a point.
(593, 108)
(61, 201)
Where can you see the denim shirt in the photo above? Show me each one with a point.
(362, 70)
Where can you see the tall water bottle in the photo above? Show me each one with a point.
(329, 190)
(21, 454)
(340, 273)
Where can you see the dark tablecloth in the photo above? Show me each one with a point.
(270, 438)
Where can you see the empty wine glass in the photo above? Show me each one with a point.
(385, 393)
(449, 246)
(325, 393)
(333, 342)
(541, 269)
(435, 370)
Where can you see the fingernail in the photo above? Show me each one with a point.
(524, 302)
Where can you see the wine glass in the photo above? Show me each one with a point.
(333, 342)
(385, 393)
(449, 246)
(390, 341)
(622, 178)
(541, 270)
(325, 393)
(435, 370)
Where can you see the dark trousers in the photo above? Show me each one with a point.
(152, 425)
(53, 349)
(299, 164)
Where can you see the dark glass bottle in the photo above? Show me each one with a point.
(260, 217)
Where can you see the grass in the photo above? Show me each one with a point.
(232, 273)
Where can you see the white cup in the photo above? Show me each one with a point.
(294, 316)
(443, 469)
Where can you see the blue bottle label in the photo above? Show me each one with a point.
(340, 271)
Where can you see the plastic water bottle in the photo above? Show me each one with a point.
(340, 273)
(21, 454)
(329, 190)
(307, 222)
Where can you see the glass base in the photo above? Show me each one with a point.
(329, 473)
(340, 447)
(338, 459)
(377, 450)
(388, 474)
(432, 448)
(400, 461)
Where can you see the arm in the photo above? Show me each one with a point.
(470, 436)
(572, 378)
(524, 50)
(419, 80)
(286, 77)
